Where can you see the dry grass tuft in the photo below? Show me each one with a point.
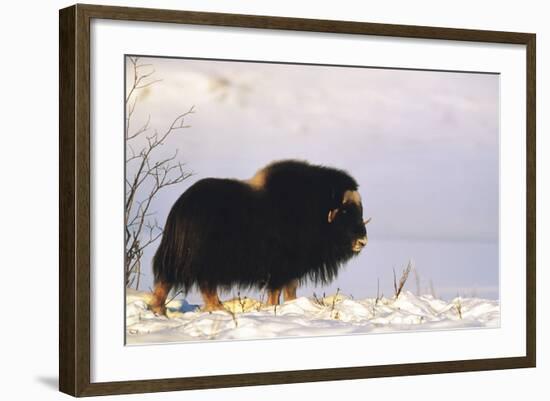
(404, 276)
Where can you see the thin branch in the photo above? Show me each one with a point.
(141, 231)
(174, 297)
(402, 280)
(140, 131)
(148, 84)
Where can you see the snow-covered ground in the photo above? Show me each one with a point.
(248, 319)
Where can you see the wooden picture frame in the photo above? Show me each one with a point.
(75, 200)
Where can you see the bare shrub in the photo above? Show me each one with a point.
(152, 174)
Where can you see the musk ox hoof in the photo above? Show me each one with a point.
(159, 310)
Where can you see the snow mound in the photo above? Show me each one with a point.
(246, 318)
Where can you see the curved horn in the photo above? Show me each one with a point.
(332, 215)
(367, 221)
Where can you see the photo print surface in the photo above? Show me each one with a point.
(273, 200)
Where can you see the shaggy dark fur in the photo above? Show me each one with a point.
(223, 232)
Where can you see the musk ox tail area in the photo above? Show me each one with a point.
(209, 236)
(172, 251)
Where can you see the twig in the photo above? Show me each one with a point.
(174, 297)
(334, 304)
(318, 300)
(242, 302)
(458, 306)
(402, 280)
(394, 281)
(334, 299)
(233, 316)
(377, 291)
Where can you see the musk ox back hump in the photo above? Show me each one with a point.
(303, 192)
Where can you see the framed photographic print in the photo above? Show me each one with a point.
(251, 200)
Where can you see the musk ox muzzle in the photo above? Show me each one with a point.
(360, 243)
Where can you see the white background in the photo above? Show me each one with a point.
(29, 202)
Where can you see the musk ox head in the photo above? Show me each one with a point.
(347, 224)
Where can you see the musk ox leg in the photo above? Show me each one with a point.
(289, 290)
(158, 301)
(273, 296)
(211, 300)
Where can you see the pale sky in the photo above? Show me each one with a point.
(423, 146)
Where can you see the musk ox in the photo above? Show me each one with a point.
(291, 221)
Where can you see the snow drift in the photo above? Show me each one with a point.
(247, 318)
